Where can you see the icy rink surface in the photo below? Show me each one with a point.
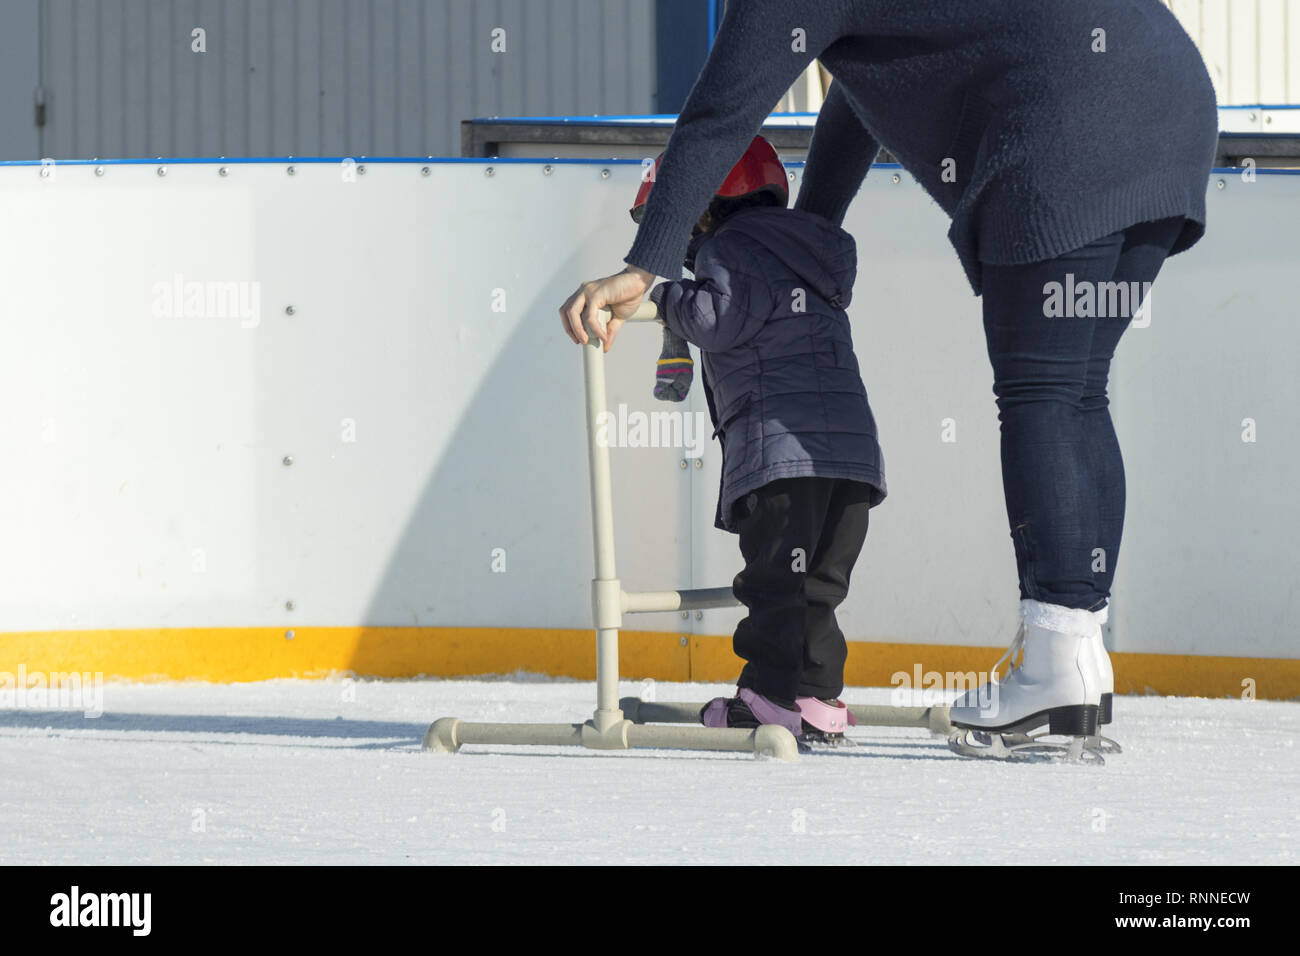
(296, 772)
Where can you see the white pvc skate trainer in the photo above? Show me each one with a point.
(1055, 683)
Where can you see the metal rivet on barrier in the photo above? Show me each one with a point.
(699, 615)
(223, 171)
(288, 605)
(683, 464)
(791, 176)
(686, 615)
(99, 170)
(424, 170)
(1221, 184)
(287, 460)
(1252, 117)
(162, 170)
(604, 174)
(683, 639)
(489, 171)
(291, 171)
(897, 178)
(288, 635)
(361, 170)
(547, 170)
(289, 310)
(699, 462)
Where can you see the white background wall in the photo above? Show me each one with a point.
(143, 483)
(1250, 47)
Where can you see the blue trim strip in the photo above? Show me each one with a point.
(1264, 106)
(453, 161)
(625, 117)
(632, 117)
(588, 117)
(597, 118)
(292, 160)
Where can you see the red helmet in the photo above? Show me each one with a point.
(759, 170)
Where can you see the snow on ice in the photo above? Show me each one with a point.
(332, 772)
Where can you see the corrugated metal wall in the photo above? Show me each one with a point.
(18, 71)
(328, 77)
(1251, 47)
(396, 76)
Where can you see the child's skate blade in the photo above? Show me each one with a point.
(819, 740)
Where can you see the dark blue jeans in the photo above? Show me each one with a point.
(1062, 473)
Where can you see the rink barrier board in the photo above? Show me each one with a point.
(261, 653)
(154, 415)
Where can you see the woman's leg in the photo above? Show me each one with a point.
(1145, 247)
(1052, 329)
(1040, 341)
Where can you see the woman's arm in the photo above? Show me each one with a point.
(841, 153)
(620, 293)
(760, 49)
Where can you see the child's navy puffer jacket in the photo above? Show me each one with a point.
(766, 309)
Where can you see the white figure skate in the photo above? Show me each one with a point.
(1055, 683)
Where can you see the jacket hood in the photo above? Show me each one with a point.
(816, 250)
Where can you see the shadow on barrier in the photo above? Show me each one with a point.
(525, 488)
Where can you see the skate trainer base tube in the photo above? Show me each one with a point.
(933, 719)
(609, 727)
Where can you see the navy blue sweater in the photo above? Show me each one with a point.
(766, 309)
(1037, 125)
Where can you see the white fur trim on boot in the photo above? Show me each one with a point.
(1054, 617)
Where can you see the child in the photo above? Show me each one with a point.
(800, 462)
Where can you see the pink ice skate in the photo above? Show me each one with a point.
(749, 709)
(824, 721)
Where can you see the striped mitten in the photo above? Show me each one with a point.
(675, 368)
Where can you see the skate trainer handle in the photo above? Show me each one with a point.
(645, 312)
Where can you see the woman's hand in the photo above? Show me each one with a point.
(620, 293)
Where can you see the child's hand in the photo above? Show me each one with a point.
(620, 293)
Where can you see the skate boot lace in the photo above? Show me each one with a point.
(1015, 650)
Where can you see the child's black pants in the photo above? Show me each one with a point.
(800, 538)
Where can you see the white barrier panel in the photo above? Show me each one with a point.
(342, 397)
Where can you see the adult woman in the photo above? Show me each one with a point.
(1070, 144)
